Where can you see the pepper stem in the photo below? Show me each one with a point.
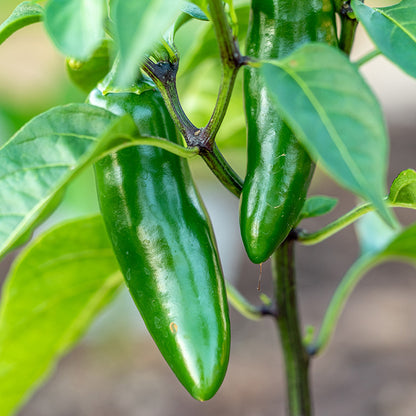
(163, 73)
(222, 170)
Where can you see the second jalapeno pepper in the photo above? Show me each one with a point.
(279, 170)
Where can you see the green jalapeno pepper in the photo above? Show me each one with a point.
(165, 246)
(279, 170)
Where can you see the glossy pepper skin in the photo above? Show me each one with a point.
(279, 170)
(163, 240)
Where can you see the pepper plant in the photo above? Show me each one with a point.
(305, 103)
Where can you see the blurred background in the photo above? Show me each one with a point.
(369, 367)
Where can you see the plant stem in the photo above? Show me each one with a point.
(335, 226)
(368, 57)
(164, 76)
(339, 224)
(224, 95)
(222, 170)
(231, 61)
(348, 29)
(176, 149)
(295, 356)
(230, 54)
(348, 25)
(241, 304)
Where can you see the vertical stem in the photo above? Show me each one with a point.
(224, 95)
(231, 61)
(230, 54)
(348, 29)
(348, 26)
(295, 356)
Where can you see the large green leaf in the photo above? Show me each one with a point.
(335, 115)
(76, 27)
(56, 287)
(403, 189)
(139, 25)
(23, 15)
(43, 156)
(393, 30)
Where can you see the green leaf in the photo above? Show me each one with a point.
(43, 156)
(316, 206)
(393, 30)
(203, 5)
(189, 11)
(194, 11)
(403, 247)
(139, 25)
(44, 214)
(403, 189)
(23, 15)
(87, 74)
(335, 115)
(57, 285)
(76, 27)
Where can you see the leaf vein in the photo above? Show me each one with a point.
(34, 168)
(398, 24)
